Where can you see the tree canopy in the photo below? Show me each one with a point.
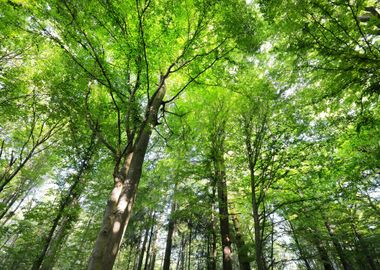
(195, 134)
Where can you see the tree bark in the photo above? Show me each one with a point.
(338, 247)
(190, 251)
(70, 199)
(220, 182)
(242, 251)
(327, 265)
(142, 253)
(364, 249)
(119, 206)
(169, 238)
(149, 245)
(152, 261)
(180, 253)
(298, 245)
(59, 236)
(253, 152)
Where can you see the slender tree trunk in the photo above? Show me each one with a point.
(327, 265)
(219, 175)
(190, 251)
(70, 199)
(298, 245)
(6, 179)
(181, 251)
(141, 257)
(364, 250)
(149, 245)
(242, 251)
(338, 247)
(212, 255)
(154, 252)
(256, 219)
(9, 202)
(252, 154)
(134, 261)
(119, 207)
(9, 216)
(60, 235)
(169, 238)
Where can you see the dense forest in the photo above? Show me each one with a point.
(189, 134)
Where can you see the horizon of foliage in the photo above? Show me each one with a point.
(195, 134)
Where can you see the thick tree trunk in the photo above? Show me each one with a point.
(118, 209)
(242, 251)
(169, 238)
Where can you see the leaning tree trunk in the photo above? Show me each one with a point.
(120, 203)
(298, 245)
(69, 200)
(59, 237)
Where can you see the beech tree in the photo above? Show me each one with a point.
(189, 134)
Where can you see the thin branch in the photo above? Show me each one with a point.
(195, 77)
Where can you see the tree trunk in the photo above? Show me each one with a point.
(298, 245)
(10, 201)
(364, 250)
(180, 252)
(149, 245)
(61, 233)
(338, 247)
(10, 214)
(69, 200)
(252, 154)
(212, 253)
(119, 206)
(189, 254)
(141, 257)
(169, 238)
(327, 265)
(257, 227)
(152, 261)
(220, 179)
(242, 251)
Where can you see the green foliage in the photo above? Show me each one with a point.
(285, 92)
